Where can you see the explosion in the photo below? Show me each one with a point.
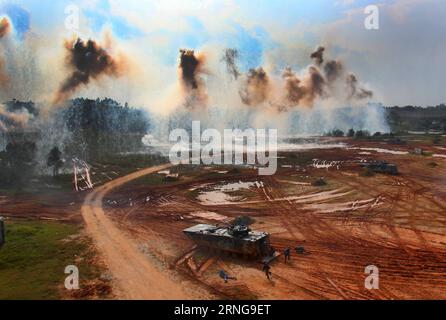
(5, 29)
(333, 69)
(354, 92)
(230, 58)
(318, 55)
(11, 120)
(256, 88)
(317, 82)
(191, 69)
(89, 61)
(293, 86)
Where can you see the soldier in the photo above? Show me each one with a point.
(224, 276)
(287, 254)
(266, 269)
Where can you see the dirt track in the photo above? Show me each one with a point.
(394, 222)
(135, 276)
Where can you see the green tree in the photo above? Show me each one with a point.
(55, 160)
(337, 133)
(19, 162)
(351, 133)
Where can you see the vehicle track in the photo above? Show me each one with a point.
(134, 274)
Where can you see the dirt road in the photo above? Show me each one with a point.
(135, 276)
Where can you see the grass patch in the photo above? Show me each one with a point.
(149, 180)
(42, 185)
(34, 258)
(128, 163)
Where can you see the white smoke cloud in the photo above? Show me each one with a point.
(38, 66)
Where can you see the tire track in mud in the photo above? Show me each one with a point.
(405, 262)
(418, 190)
(288, 215)
(334, 250)
(357, 185)
(387, 294)
(134, 275)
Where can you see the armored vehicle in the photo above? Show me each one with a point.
(232, 239)
(381, 167)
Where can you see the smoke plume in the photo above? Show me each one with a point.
(190, 66)
(321, 81)
(354, 91)
(12, 120)
(230, 58)
(89, 61)
(318, 55)
(256, 87)
(293, 86)
(315, 84)
(303, 92)
(191, 70)
(5, 28)
(333, 69)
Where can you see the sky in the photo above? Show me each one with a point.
(403, 61)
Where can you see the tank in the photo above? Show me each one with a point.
(381, 167)
(2, 232)
(234, 239)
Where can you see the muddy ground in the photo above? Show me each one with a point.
(397, 223)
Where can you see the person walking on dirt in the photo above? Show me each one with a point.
(267, 270)
(225, 276)
(287, 254)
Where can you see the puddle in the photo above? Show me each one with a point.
(381, 150)
(219, 196)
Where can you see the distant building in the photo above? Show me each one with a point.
(381, 167)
